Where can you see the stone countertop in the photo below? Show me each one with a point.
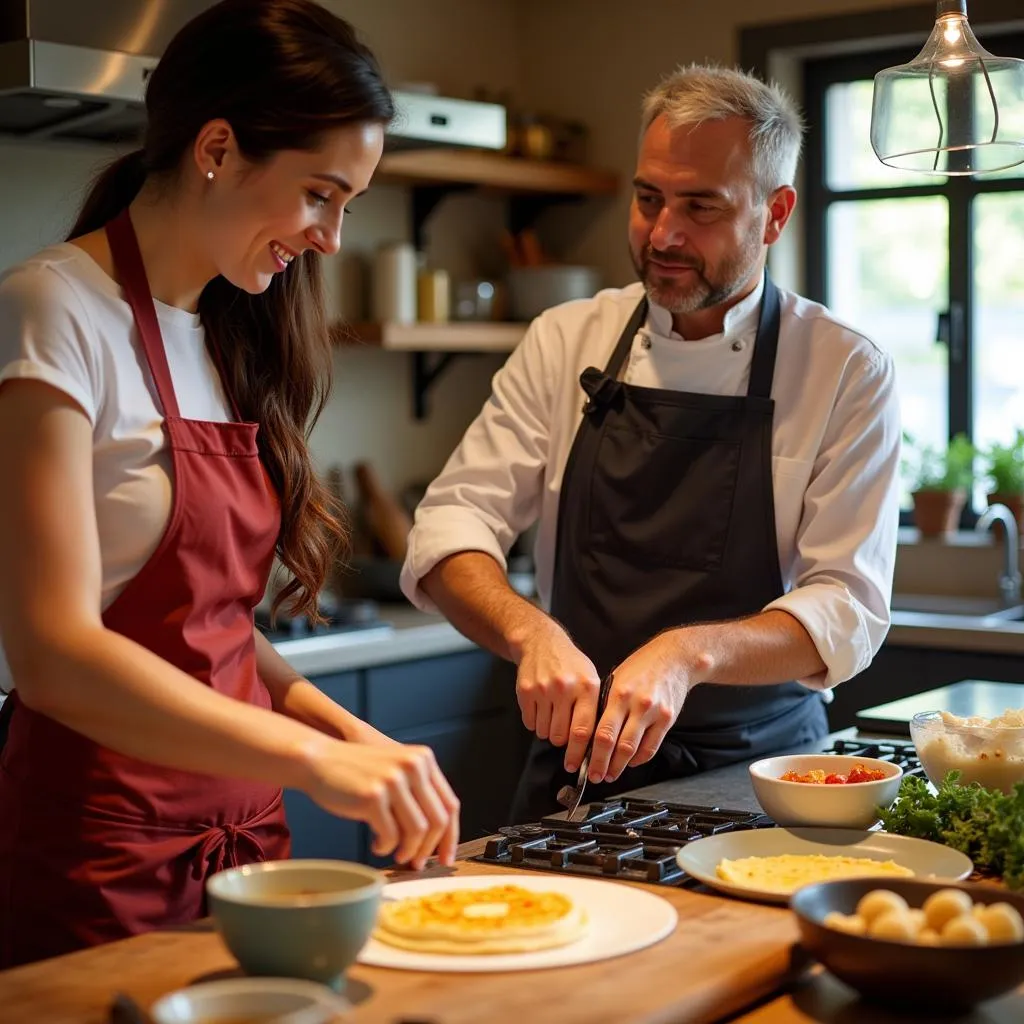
(408, 634)
(405, 634)
(955, 633)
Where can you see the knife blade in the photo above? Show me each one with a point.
(571, 796)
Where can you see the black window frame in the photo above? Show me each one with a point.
(819, 74)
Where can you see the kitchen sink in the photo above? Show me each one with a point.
(989, 608)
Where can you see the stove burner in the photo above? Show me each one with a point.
(637, 840)
(341, 617)
(628, 839)
(902, 754)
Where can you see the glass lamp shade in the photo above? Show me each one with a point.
(954, 109)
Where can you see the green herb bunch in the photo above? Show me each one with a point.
(985, 824)
(1005, 466)
(939, 469)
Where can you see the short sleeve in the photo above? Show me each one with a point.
(46, 334)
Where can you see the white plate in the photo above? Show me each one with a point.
(622, 919)
(927, 860)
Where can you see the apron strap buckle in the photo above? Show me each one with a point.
(602, 390)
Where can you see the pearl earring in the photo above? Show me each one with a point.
(210, 175)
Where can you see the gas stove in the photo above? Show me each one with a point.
(637, 840)
(350, 616)
(902, 754)
(628, 839)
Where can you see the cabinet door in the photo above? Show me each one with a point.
(315, 832)
(482, 759)
(417, 693)
(896, 672)
(946, 667)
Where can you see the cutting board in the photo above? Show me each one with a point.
(723, 955)
(966, 698)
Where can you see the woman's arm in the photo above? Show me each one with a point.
(295, 696)
(67, 665)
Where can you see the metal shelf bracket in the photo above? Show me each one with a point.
(427, 367)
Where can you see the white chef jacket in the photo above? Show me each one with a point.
(835, 455)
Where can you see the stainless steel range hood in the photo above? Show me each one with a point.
(76, 71)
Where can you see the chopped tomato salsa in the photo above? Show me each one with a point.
(820, 778)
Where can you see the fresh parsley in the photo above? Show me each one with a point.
(986, 824)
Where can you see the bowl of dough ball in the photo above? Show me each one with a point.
(989, 751)
(915, 944)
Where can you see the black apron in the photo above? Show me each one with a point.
(667, 519)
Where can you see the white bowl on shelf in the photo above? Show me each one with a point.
(845, 805)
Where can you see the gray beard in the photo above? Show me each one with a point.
(705, 294)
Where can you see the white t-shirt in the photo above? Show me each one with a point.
(63, 321)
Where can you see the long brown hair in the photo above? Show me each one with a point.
(282, 73)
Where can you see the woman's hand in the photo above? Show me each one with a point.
(396, 788)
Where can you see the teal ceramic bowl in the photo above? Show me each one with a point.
(296, 918)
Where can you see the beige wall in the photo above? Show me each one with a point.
(596, 59)
(587, 59)
(457, 44)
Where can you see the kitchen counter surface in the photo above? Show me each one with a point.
(405, 634)
(955, 633)
(409, 634)
(729, 960)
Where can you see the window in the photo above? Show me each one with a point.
(931, 268)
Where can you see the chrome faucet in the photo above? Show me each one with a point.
(1009, 578)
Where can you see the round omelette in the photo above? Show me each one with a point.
(499, 919)
(787, 872)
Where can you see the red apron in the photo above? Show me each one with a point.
(94, 845)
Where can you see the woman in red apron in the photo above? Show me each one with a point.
(147, 741)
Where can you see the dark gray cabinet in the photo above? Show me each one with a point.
(315, 833)
(463, 706)
(902, 671)
(895, 672)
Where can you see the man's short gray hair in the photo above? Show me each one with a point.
(697, 93)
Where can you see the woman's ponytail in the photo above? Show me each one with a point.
(111, 192)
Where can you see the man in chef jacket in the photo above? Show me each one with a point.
(713, 463)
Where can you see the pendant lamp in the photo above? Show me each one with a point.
(955, 109)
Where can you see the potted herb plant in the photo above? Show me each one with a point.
(1004, 465)
(940, 480)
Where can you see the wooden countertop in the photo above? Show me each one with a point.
(726, 960)
(820, 999)
(724, 955)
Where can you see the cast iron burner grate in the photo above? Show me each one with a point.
(637, 840)
(902, 754)
(634, 840)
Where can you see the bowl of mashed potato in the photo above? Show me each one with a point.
(989, 751)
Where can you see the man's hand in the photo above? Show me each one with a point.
(646, 697)
(557, 686)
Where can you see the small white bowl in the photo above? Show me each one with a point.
(846, 805)
(237, 999)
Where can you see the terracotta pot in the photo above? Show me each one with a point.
(938, 512)
(1015, 503)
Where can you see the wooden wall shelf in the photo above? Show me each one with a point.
(459, 336)
(493, 171)
(433, 347)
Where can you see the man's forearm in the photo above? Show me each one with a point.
(772, 647)
(473, 593)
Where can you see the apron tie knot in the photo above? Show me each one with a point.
(219, 847)
(601, 389)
